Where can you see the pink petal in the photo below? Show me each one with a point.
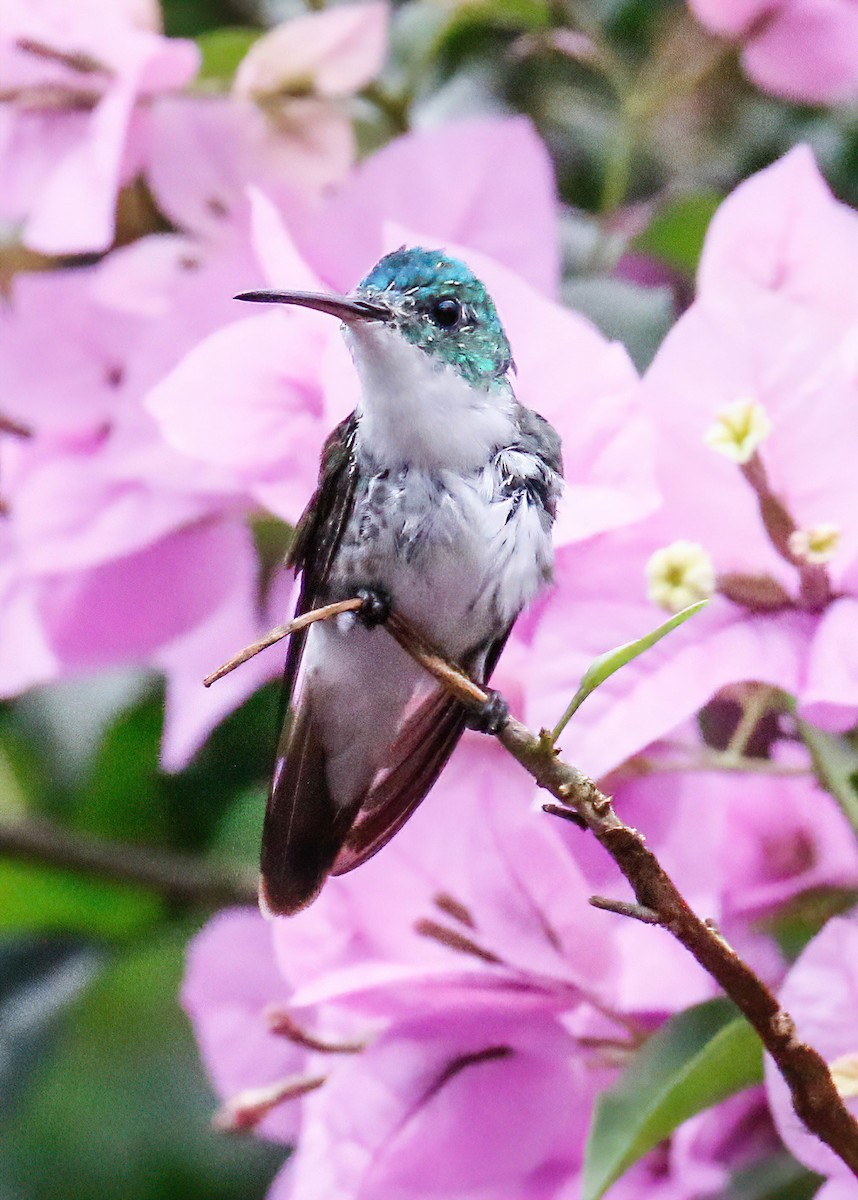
(375, 1129)
(247, 398)
(126, 609)
(730, 17)
(230, 979)
(64, 354)
(25, 654)
(783, 231)
(808, 52)
(74, 212)
(334, 53)
(502, 170)
(830, 696)
(192, 711)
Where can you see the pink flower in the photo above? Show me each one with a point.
(474, 974)
(802, 50)
(330, 53)
(116, 549)
(73, 133)
(821, 994)
(453, 977)
(781, 233)
(499, 1088)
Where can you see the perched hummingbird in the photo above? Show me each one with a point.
(436, 496)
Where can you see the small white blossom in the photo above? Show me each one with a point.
(817, 545)
(680, 574)
(739, 429)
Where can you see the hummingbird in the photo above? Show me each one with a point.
(436, 496)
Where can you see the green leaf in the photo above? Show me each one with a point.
(223, 50)
(606, 664)
(835, 760)
(505, 14)
(676, 233)
(188, 18)
(796, 923)
(697, 1059)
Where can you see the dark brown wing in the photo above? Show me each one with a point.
(417, 758)
(303, 829)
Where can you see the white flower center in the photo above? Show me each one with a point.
(739, 429)
(680, 574)
(817, 545)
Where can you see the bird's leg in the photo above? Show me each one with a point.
(376, 606)
(489, 717)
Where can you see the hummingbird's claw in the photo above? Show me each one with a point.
(375, 608)
(491, 716)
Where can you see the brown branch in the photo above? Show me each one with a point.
(814, 1095)
(176, 876)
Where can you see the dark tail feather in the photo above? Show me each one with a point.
(303, 829)
(418, 755)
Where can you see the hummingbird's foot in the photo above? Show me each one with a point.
(491, 716)
(376, 606)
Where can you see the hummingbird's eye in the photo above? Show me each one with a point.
(446, 312)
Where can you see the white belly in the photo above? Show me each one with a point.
(459, 559)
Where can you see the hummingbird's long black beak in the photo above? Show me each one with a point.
(337, 306)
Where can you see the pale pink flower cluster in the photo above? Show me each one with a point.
(439, 1023)
(801, 50)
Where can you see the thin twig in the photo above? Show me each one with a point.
(279, 632)
(16, 428)
(177, 876)
(625, 908)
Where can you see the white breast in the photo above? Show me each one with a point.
(459, 557)
(416, 409)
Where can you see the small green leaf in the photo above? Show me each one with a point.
(835, 760)
(606, 664)
(676, 233)
(697, 1059)
(223, 50)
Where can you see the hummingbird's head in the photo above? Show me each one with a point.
(438, 304)
(434, 302)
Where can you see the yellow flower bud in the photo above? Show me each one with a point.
(817, 545)
(680, 574)
(738, 430)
